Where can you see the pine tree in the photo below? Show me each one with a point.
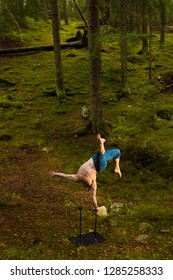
(123, 34)
(57, 49)
(94, 65)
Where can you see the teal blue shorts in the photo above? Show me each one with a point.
(100, 161)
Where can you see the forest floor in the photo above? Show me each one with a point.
(38, 133)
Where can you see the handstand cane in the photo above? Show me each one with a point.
(80, 221)
(95, 225)
(88, 238)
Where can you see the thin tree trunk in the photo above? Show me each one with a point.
(81, 14)
(124, 65)
(112, 21)
(45, 7)
(65, 12)
(94, 65)
(163, 22)
(57, 49)
(144, 27)
(138, 17)
(150, 48)
(131, 9)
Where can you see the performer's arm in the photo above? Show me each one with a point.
(94, 192)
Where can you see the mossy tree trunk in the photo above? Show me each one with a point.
(94, 65)
(57, 49)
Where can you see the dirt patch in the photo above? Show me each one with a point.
(37, 213)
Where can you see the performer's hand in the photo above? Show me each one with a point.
(51, 173)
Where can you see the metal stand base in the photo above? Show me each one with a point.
(87, 239)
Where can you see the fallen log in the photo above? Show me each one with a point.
(76, 45)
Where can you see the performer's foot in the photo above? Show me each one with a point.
(102, 140)
(117, 170)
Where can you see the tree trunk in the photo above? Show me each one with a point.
(65, 12)
(45, 8)
(123, 27)
(94, 65)
(163, 22)
(112, 21)
(144, 27)
(131, 15)
(81, 14)
(150, 47)
(57, 49)
(138, 17)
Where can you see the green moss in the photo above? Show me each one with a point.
(5, 104)
(41, 133)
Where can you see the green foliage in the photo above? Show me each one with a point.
(33, 9)
(15, 196)
(12, 15)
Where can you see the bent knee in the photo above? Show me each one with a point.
(118, 153)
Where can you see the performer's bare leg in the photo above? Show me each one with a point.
(102, 151)
(117, 166)
(102, 141)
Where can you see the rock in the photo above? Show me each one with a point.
(102, 211)
(142, 238)
(85, 112)
(45, 149)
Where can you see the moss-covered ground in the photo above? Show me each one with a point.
(37, 134)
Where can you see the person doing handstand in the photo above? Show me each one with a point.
(88, 171)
